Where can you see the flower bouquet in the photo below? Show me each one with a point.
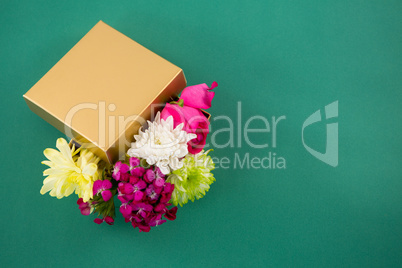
(166, 166)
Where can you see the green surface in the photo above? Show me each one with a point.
(275, 57)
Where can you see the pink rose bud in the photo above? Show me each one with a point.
(198, 96)
(194, 122)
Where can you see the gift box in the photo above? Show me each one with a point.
(103, 90)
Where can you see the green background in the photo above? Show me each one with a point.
(277, 58)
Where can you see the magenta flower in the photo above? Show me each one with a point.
(133, 179)
(120, 195)
(142, 226)
(171, 214)
(135, 189)
(134, 162)
(142, 209)
(153, 192)
(156, 176)
(124, 176)
(126, 210)
(167, 192)
(109, 220)
(149, 175)
(160, 208)
(138, 171)
(103, 187)
(85, 207)
(156, 220)
(119, 168)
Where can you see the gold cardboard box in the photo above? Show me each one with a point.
(103, 90)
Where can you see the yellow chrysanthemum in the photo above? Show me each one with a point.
(69, 172)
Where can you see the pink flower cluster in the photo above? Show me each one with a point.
(144, 194)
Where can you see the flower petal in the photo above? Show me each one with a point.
(90, 169)
(69, 189)
(159, 182)
(109, 220)
(138, 195)
(48, 186)
(106, 184)
(106, 195)
(86, 211)
(56, 157)
(96, 187)
(64, 148)
(98, 221)
(134, 161)
(80, 201)
(171, 214)
(125, 210)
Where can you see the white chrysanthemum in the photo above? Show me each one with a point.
(161, 144)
